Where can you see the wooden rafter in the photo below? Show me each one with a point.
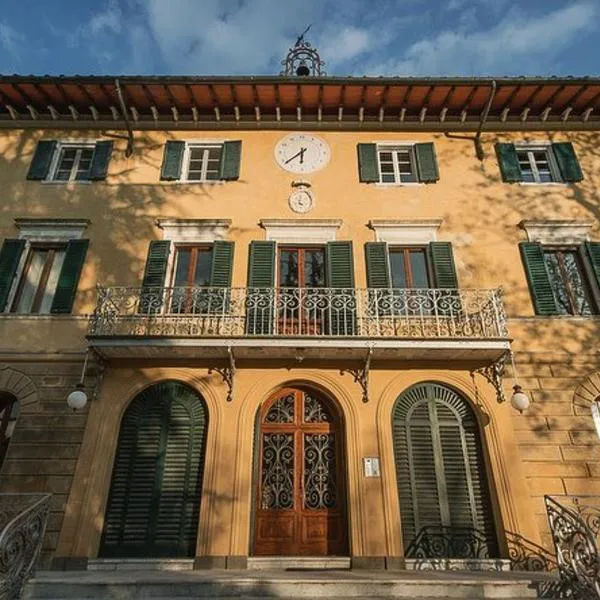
(510, 98)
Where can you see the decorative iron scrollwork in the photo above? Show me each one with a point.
(23, 520)
(315, 411)
(361, 375)
(227, 373)
(320, 485)
(575, 526)
(282, 410)
(494, 373)
(277, 471)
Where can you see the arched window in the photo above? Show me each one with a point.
(445, 506)
(9, 413)
(154, 500)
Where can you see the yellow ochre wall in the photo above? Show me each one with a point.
(551, 449)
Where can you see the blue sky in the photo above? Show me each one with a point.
(250, 37)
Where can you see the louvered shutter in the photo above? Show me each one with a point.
(444, 269)
(154, 499)
(538, 279)
(231, 157)
(368, 167)
(340, 277)
(155, 272)
(440, 471)
(100, 160)
(567, 161)
(378, 265)
(10, 256)
(261, 281)
(427, 162)
(42, 159)
(220, 276)
(593, 253)
(509, 163)
(68, 280)
(172, 161)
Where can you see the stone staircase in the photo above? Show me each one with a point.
(301, 583)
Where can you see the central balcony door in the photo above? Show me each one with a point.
(301, 309)
(300, 498)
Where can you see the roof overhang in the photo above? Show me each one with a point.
(370, 103)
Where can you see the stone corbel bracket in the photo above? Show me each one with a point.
(494, 373)
(227, 373)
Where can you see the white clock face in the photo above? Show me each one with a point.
(302, 153)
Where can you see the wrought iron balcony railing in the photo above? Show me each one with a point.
(298, 312)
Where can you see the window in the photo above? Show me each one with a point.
(37, 285)
(397, 165)
(537, 165)
(73, 163)
(191, 277)
(408, 267)
(66, 161)
(540, 163)
(302, 267)
(569, 282)
(202, 162)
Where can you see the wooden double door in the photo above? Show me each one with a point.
(300, 501)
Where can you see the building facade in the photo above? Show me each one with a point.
(291, 302)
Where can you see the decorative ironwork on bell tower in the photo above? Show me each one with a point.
(303, 60)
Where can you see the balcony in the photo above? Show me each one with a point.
(194, 322)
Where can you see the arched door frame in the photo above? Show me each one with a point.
(338, 414)
(447, 397)
(510, 494)
(163, 443)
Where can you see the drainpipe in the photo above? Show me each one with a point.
(482, 121)
(129, 149)
(484, 115)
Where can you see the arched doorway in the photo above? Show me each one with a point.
(300, 495)
(9, 413)
(154, 498)
(445, 504)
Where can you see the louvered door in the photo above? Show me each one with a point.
(154, 499)
(440, 470)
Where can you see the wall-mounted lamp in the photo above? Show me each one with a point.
(77, 399)
(519, 399)
(596, 414)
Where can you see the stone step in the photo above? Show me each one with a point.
(225, 585)
(291, 563)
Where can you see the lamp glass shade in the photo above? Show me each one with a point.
(519, 400)
(77, 399)
(596, 415)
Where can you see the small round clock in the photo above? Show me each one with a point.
(302, 153)
(301, 200)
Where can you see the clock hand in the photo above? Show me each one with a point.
(300, 154)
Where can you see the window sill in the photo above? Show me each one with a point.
(208, 182)
(66, 183)
(393, 185)
(542, 184)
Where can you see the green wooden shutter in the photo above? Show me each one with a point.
(368, 167)
(509, 163)
(538, 279)
(222, 264)
(100, 160)
(155, 274)
(340, 276)
(378, 265)
(231, 156)
(593, 252)
(567, 161)
(444, 269)
(220, 277)
(427, 162)
(42, 159)
(440, 473)
(10, 256)
(156, 488)
(172, 161)
(261, 281)
(68, 280)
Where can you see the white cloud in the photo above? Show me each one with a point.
(346, 44)
(516, 45)
(107, 21)
(10, 39)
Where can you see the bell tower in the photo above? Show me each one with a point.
(302, 60)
